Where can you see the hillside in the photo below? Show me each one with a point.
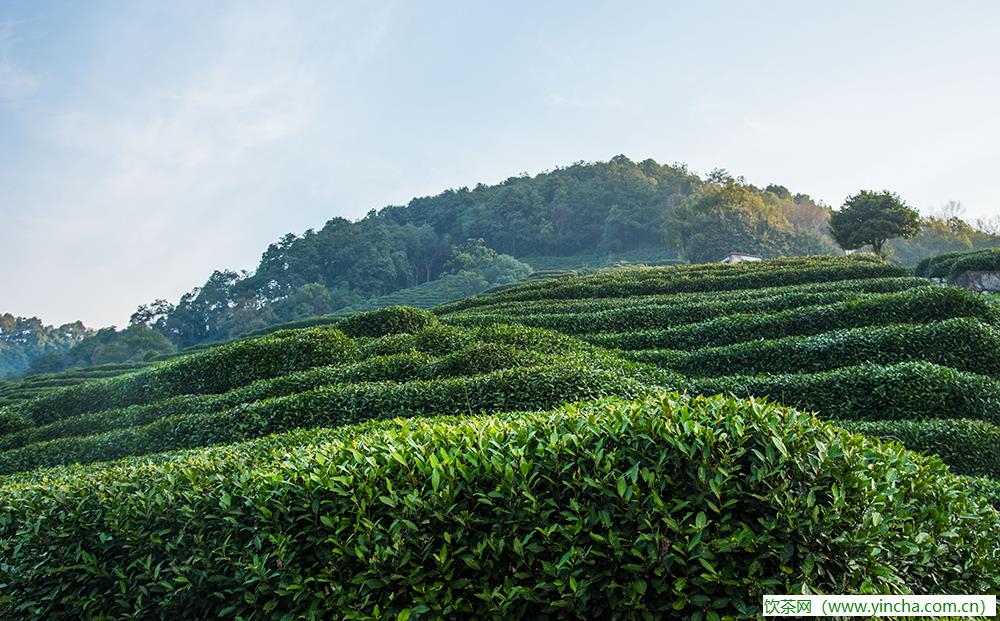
(553, 448)
(583, 215)
(26, 339)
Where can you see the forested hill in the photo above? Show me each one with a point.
(24, 339)
(605, 208)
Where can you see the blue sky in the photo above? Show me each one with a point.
(143, 145)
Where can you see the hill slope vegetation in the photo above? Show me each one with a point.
(540, 451)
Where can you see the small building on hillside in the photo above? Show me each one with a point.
(739, 258)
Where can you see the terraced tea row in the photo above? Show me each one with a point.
(594, 305)
(502, 502)
(586, 511)
(680, 279)
(920, 305)
(660, 311)
(964, 343)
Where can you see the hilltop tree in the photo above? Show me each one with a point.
(872, 218)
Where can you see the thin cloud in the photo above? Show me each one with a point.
(15, 82)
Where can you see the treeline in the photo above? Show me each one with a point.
(23, 339)
(486, 234)
(605, 207)
(135, 343)
(944, 233)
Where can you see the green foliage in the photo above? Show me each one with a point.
(904, 391)
(723, 218)
(951, 265)
(940, 235)
(216, 370)
(24, 339)
(871, 218)
(520, 309)
(981, 261)
(668, 507)
(984, 487)
(11, 422)
(638, 314)
(136, 343)
(920, 305)
(938, 266)
(967, 446)
(608, 509)
(685, 279)
(965, 344)
(329, 406)
(389, 320)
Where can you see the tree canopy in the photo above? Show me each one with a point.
(24, 339)
(871, 218)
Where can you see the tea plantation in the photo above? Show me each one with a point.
(667, 442)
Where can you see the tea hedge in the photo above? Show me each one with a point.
(512, 310)
(904, 391)
(649, 281)
(106, 420)
(476, 359)
(937, 266)
(964, 343)
(628, 318)
(388, 320)
(11, 422)
(921, 305)
(666, 507)
(984, 487)
(982, 261)
(342, 404)
(213, 371)
(967, 446)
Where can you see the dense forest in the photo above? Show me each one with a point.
(24, 339)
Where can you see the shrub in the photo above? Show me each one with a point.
(212, 371)
(481, 358)
(986, 488)
(713, 277)
(105, 420)
(342, 404)
(628, 317)
(664, 507)
(905, 391)
(967, 446)
(388, 320)
(982, 261)
(519, 311)
(965, 344)
(921, 305)
(952, 264)
(10, 422)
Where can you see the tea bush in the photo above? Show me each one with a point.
(11, 422)
(511, 310)
(721, 277)
(965, 344)
(905, 391)
(967, 446)
(388, 320)
(215, 370)
(341, 404)
(628, 317)
(982, 261)
(666, 507)
(921, 305)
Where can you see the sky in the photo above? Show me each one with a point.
(145, 144)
